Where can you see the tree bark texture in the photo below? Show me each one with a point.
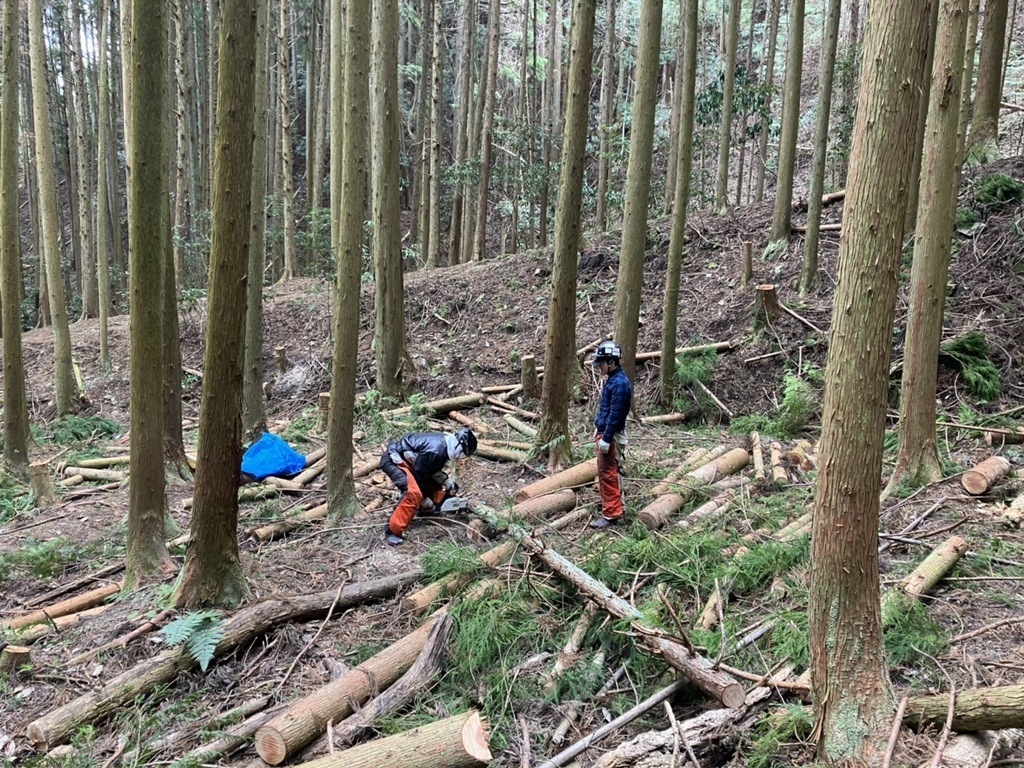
(917, 459)
(849, 674)
(728, 87)
(985, 124)
(790, 123)
(348, 201)
(560, 344)
(213, 572)
(389, 298)
(16, 426)
(629, 284)
(64, 380)
(684, 160)
(146, 553)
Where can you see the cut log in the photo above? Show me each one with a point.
(923, 578)
(658, 512)
(997, 438)
(95, 474)
(72, 586)
(298, 482)
(934, 567)
(64, 607)
(145, 628)
(758, 455)
(418, 602)
(570, 651)
(502, 406)
(13, 658)
(665, 418)
(272, 531)
(416, 680)
(779, 474)
(514, 445)
(41, 483)
(717, 346)
(520, 426)
(323, 411)
(981, 479)
(58, 725)
(975, 709)
(478, 427)
(708, 510)
(104, 462)
(307, 718)
(574, 477)
(455, 742)
(494, 453)
(529, 377)
(699, 670)
(34, 632)
(233, 738)
(766, 307)
(435, 407)
(250, 493)
(694, 459)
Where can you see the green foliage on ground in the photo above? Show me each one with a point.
(75, 429)
(797, 407)
(969, 355)
(15, 499)
(41, 559)
(785, 724)
(911, 634)
(997, 190)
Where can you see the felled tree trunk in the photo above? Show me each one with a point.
(923, 578)
(455, 742)
(693, 460)
(532, 509)
(698, 669)
(975, 709)
(307, 718)
(440, 406)
(573, 477)
(57, 725)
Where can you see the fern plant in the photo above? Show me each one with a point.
(199, 632)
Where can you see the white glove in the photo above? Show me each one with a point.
(603, 445)
(451, 488)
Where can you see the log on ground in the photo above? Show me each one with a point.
(455, 742)
(307, 718)
(75, 604)
(981, 478)
(657, 513)
(975, 709)
(57, 726)
(574, 477)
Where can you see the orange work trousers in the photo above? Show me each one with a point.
(608, 482)
(410, 502)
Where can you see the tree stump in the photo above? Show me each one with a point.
(529, 377)
(747, 262)
(323, 411)
(281, 358)
(766, 307)
(13, 657)
(43, 494)
(980, 479)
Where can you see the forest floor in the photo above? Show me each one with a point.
(467, 327)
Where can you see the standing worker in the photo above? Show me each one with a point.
(610, 431)
(415, 463)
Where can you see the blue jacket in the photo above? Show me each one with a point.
(616, 400)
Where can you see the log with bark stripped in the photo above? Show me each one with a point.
(455, 742)
(694, 459)
(58, 725)
(433, 407)
(923, 578)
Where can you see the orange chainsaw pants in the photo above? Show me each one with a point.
(409, 505)
(608, 482)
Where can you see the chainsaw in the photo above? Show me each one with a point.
(453, 505)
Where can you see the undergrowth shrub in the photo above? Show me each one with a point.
(798, 405)
(996, 190)
(199, 632)
(74, 429)
(911, 634)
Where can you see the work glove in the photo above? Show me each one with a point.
(603, 446)
(451, 488)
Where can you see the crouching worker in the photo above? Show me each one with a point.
(416, 463)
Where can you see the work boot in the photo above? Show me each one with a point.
(391, 539)
(600, 523)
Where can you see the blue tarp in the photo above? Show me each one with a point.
(270, 455)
